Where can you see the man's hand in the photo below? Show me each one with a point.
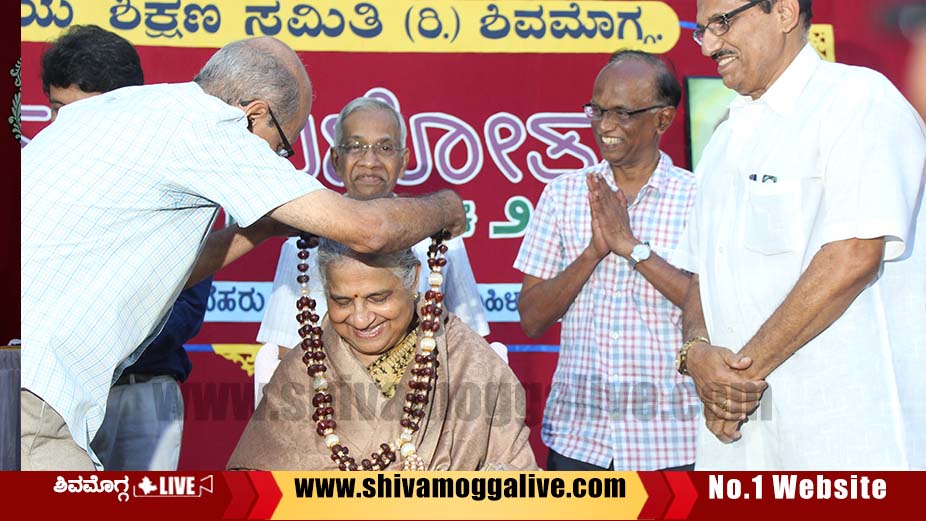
(457, 224)
(726, 431)
(610, 209)
(597, 246)
(727, 393)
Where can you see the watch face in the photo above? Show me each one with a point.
(641, 252)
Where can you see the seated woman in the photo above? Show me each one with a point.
(382, 386)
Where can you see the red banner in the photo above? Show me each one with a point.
(265, 495)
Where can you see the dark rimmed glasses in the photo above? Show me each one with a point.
(623, 116)
(718, 25)
(287, 151)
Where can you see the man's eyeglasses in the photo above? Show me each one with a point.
(287, 151)
(720, 24)
(382, 150)
(596, 113)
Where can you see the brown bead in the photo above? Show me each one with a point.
(319, 355)
(337, 448)
(405, 423)
(314, 342)
(335, 458)
(419, 413)
(307, 358)
(428, 309)
(426, 325)
(441, 262)
(303, 267)
(313, 317)
(439, 297)
(342, 466)
(302, 279)
(385, 447)
(303, 255)
(366, 464)
(426, 371)
(320, 430)
(429, 294)
(438, 311)
(432, 248)
(352, 466)
(302, 302)
(318, 399)
(432, 263)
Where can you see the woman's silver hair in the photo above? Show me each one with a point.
(241, 71)
(402, 263)
(367, 103)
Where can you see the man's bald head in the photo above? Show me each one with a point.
(260, 68)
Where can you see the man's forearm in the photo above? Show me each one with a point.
(412, 219)
(387, 224)
(692, 314)
(832, 281)
(666, 278)
(543, 302)
(226, 246)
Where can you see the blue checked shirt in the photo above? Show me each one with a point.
(118, 196)
(616, 395)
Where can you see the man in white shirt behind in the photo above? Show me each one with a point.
(369, 155)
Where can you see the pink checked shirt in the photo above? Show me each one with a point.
(616, 395)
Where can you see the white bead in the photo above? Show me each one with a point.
(428, 344)
(331, 440)
(435, 279)
(405, 437)
(407, 449)
(320, 384)
(305, 289)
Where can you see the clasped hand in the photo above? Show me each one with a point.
(726, 389)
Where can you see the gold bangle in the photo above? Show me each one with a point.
(681, 359)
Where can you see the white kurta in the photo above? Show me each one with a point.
(829, 153)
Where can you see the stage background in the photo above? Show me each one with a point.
(494, 118)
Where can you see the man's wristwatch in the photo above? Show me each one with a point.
(639, 253)
(681, 358)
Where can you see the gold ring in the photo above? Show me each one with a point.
(723, 405)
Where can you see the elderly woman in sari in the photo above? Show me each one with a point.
(471, 419)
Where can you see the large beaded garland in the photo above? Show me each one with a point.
(424, 372)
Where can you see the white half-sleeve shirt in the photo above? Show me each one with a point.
(830, 152)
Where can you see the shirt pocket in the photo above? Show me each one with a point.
(772, 221)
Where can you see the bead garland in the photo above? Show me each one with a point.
(424, 372)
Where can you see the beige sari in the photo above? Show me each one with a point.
(474, 419)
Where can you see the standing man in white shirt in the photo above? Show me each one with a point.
(119, 195)
(807, 244)
(370, 156)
